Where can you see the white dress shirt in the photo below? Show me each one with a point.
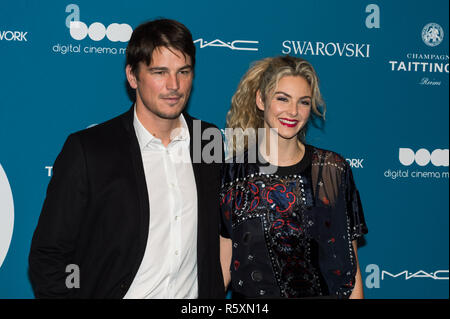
(169, 267)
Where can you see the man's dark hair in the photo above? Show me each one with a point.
(158, 33)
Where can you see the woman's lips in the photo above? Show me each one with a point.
(288, 122)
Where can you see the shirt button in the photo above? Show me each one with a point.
(176, 252)
(176, 218)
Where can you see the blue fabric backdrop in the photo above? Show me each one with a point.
(383, 67)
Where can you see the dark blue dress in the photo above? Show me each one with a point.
(292, 229)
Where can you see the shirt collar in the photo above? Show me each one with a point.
(145, 137)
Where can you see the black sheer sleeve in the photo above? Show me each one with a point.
(355, 212)
(225, 202)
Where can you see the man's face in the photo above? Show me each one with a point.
(163, 87)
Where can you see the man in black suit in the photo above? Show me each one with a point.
(127, 207)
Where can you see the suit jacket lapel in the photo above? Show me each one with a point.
(134, 152)
(195, 147)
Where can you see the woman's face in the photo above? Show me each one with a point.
(288, 108)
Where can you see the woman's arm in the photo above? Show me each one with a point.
(225, 259)
(357, 292)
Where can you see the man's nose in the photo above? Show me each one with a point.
(172, 83)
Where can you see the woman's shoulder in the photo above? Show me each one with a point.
(239, 166)
(322, 156)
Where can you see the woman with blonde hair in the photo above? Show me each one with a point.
(290, 231)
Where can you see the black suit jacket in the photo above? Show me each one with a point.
(96, 216)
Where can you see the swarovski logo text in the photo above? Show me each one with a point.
(355, 50)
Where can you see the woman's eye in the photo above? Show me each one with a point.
(282, 99)
(306, 102)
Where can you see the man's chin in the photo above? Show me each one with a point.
(166, 113)
(169, 116)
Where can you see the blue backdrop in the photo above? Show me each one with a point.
(383, 67)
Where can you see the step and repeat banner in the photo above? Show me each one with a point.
(383, 67)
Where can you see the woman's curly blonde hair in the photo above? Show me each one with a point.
(264, 75)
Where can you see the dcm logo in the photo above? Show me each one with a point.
(6, 215)
(438, 157)
(96, 31)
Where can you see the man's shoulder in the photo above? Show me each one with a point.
(106, 128)
(105, 134)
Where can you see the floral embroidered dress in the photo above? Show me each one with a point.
(292, 229)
